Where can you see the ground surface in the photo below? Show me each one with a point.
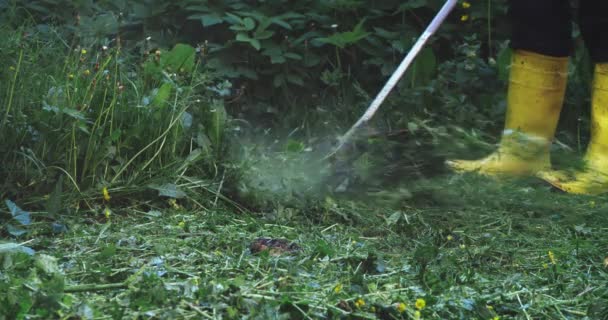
(472, 249)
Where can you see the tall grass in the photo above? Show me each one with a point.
(100, 116)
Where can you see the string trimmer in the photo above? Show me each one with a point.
(392, 81)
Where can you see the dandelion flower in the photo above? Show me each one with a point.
(338, 288)
(551, 257)
(106, 194)
(420, 303)
(466, 5)
(417, 315)
(174, 204)
(464, 18)
(401, 307)
(359, 303)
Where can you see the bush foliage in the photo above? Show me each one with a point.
(268, 47)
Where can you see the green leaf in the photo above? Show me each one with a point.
(107, 252)
(211, 19)
(295, 79)
(343, 39)
(72, 113)
(324, 249)
(394, 218)
(294, 146)
(15, 231)
(169, 190)
(277, 59)
(249, 24)
(15, 247)
(263, 35)
(162, 95)
(243, 37)
(115, 135)
(47, 264)
(20, 215)
(293, 56)
(180, 59)
(153, 70)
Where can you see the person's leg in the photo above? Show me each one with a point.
(542, 42)
(594, 26)
(541, 26)
(594, 178)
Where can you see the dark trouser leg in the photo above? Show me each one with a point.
(542, 26)
(594, 27)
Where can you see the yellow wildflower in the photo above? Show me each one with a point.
(107, 212)
(338, 288)
(464, 18)
(181, 224)
(359, 303)
(417, 315)
(551, 257)
(401, 307)
(420, 303)
(545, 266)
(450, 237)
(87, 72)
(174, 204)
(83, 51)
(466, 5)
(106, 194)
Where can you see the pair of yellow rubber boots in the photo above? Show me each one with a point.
(537, 84)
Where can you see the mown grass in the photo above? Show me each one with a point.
(500, 251)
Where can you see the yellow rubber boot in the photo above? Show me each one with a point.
(594, 178)
(537, 84)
